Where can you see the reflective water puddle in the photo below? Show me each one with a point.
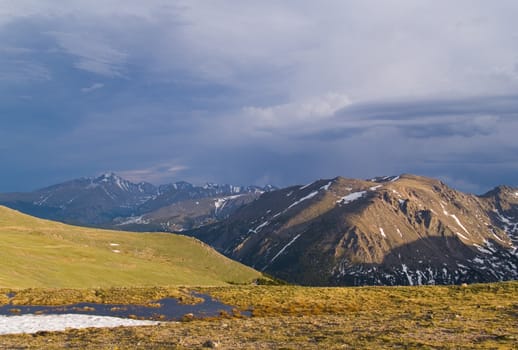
(167, 309)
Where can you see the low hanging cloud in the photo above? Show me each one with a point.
(420, 118)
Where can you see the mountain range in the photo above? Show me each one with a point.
(396, 230)
(110, 201)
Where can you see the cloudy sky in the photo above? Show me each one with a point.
(256, 92)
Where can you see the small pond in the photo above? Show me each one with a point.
(167, 309)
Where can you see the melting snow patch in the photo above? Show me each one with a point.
(116, 251)
(326, 187)
(400, 234)
(502, 218)
(383, 233)
(49, 323)
(311, 195)
(494, 235)
(456, 220)
(114, 244)
(459, 223)
(305, 186)
(395, 179)
(289, 194)
(351, 197)
(374, 188)
(461, 236)
(284, 248)
(219, 203)
(261, 226)
(405, 271)
(134, 220)
(483, 250)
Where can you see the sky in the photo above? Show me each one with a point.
(258, 92)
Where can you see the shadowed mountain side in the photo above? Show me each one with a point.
(341, 231)
(432, 260)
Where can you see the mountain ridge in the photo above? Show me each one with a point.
(110, 201)
(346, 232)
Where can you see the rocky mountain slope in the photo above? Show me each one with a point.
(392, 230)
(111, 201)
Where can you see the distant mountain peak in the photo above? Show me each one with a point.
(382, 179)
(108, 176)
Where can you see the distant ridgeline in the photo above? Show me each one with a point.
(110, 201)
(399, 230)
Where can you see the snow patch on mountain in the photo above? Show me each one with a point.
(258, 228)
(462, 236)
(326, 187)
(351, 197)
(309, 196)
(133, 220)
(405, 271)
(43, 200)
(219, 203)
(457, 221)
(306, 186)
(285, 247)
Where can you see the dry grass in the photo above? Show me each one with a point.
(474, 317)
(116, 295)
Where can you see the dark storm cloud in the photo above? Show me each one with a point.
(257, 92)
(438, 118)
(502, 105)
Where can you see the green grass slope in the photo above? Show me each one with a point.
(41, 253)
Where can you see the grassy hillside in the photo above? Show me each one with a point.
(41, 253)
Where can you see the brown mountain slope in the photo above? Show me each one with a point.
(393, 230)
(187, 213)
